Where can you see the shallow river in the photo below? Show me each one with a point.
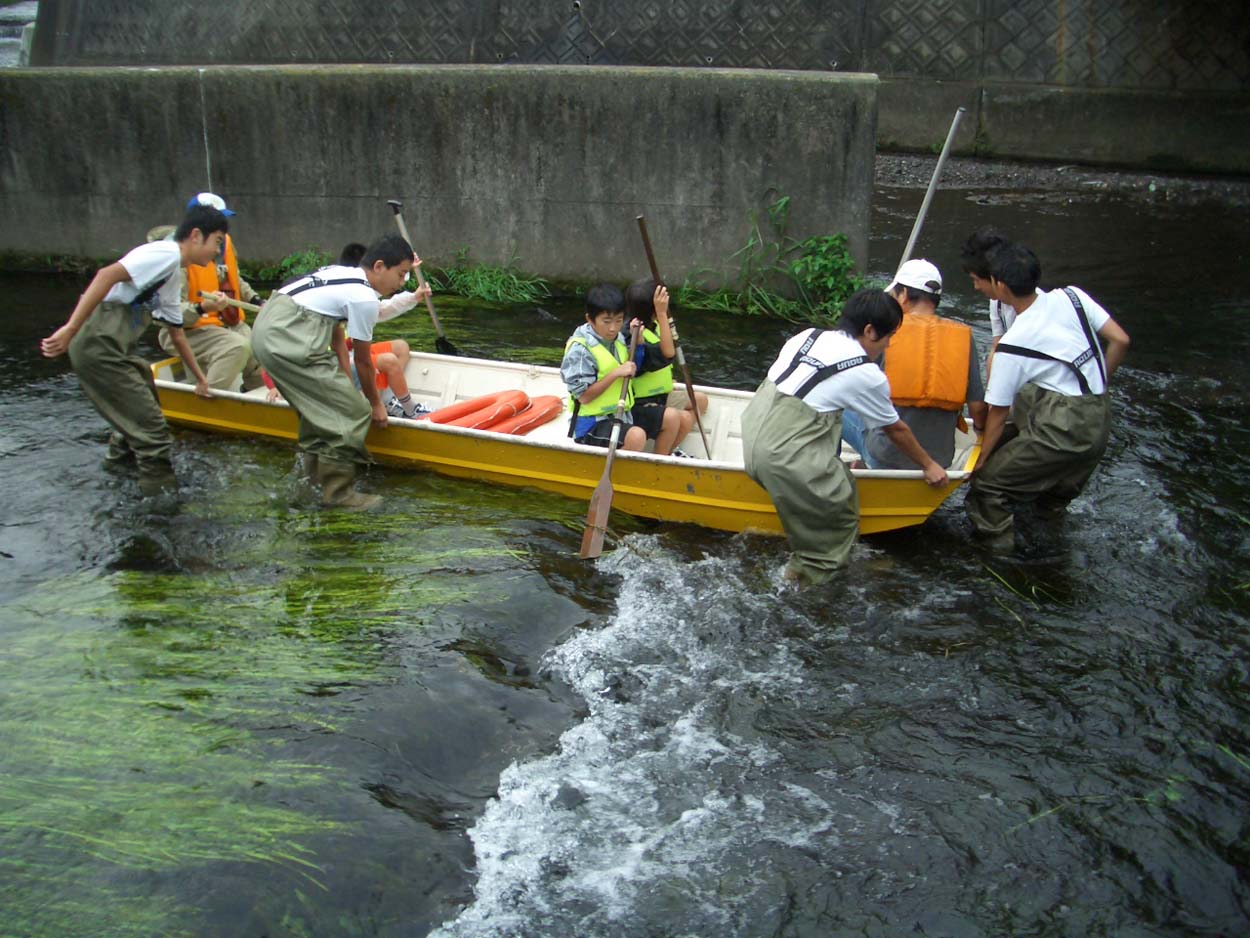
(251, 717)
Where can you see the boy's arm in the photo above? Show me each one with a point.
(994, 423)
(1117, 344)
(104, 280)
(178, 336)
(362, 353)
(338, 342)
(668, 342)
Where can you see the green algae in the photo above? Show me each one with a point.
(153, 722)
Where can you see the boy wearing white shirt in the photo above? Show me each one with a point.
(1051, 447)
(300, 337)
(102, 333)
(792, 427)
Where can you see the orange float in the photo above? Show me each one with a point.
(541, 410)
(483, 412)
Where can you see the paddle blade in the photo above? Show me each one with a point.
(443, 346)
(597, 519)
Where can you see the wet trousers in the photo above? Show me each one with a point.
(118, 382)
(1047, 453)
(792, 452)
(293, 344)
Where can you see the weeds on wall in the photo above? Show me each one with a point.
(490, 282)
(780, 276)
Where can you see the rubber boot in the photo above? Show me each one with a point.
(336, 479)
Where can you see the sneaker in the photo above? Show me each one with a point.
(394, 408)
(680, 453)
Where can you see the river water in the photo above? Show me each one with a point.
(245, 716)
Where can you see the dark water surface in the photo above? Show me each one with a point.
(244, 716)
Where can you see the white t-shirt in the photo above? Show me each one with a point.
(1049, 325)
(150, 264)
(356, 302)
(863, 389)
(1001, 318)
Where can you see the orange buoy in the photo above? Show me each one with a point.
(541, 410)
(481, 412)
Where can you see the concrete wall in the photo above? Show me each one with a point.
(538, 163)
(1146, 83)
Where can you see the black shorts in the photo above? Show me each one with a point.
(649, 416)
(601, 433)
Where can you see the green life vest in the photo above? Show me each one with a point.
(650, 383)
(605, 361)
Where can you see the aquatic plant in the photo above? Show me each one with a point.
(491, 282)
(781, 277)
(293, 265)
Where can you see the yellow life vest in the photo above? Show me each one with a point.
(202, 278)
(927, 362)
(605, 362)
(651, 383)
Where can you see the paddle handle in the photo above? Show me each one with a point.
(398, 208)
(928, 196)
(231, 301)
(681, 356)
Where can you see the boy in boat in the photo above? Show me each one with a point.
(933, 369)
(596, 361)
(1056, 437)
(390, 358)
(300, 340)
(791, 431)
(218, 332)
(646, 305)
(103, 331)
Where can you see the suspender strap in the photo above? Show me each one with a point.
(577, 406)
(802, 357)
(826, 371)
(822, 371)
(314, 281)
(1042, 356)
(1095, 350)
(143, 298)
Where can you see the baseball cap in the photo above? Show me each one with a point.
(919, 275)
(211, 200)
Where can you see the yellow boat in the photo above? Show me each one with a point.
(711, 489)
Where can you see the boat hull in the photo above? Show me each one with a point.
(709, 493)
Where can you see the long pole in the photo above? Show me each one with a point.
(928, 196)
(681, 356)
(441, 342)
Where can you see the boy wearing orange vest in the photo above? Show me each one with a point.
(933, 369)
(218, 332)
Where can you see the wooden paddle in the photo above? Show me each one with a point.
(601, 500)
(681, 356)
(441, 343)
(231, 301)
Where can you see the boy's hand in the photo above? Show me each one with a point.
(660, 300)
(57, 344)
(379, 415)
(423, 292)
(273, 395)
(212, 302)
(627, 370)
(203, 390)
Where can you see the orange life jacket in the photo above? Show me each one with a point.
(202, 278)
(927, 362)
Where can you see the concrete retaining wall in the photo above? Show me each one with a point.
(533, 162)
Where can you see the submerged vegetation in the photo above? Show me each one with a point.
(160, 723)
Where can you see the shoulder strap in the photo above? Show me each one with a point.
(1095, 348)
(827, 371)
(802, 358)
(314, 281)
(144, 297)
(1024, 352)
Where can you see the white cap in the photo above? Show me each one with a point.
(919, 275)
(211, 200)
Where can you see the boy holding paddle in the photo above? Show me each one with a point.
(596, 361)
